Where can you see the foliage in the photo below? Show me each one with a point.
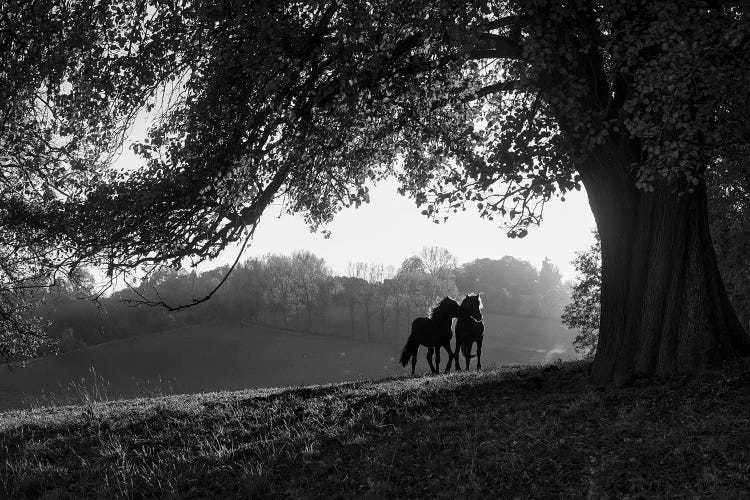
(48, 153)
(499, 103)
(584, 312)
(550, 287)
(438, 262)
(573, 77)
(307, 100)
(19, 329)
(504, 283)
(529, 433)
(729, 212)
(254, 101)
(549, 277)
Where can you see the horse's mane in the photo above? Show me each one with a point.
(439, 309)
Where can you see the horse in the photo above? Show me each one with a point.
(433, 332)
(469, 329)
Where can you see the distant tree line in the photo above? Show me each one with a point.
(299, 292)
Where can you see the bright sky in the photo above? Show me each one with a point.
(391, 228)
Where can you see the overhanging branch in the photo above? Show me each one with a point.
(508, 53)
(496, 47)
(503, 22)
(495, 87)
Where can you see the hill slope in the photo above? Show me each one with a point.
(206, 357)
(490, 435)
(228, 356)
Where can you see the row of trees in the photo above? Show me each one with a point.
(298, 291)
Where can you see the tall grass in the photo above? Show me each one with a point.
(94, 389)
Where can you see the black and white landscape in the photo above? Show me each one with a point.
(374, 249)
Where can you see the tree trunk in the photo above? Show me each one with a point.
(664, 309)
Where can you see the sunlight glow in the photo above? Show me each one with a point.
(390, 228)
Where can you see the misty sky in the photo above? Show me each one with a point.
(391, 228)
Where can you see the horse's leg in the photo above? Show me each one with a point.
(447, 346)
(467, 353)
(479, 353)
(414, 361)
(429, 359)
(456, 353)
(437, 359)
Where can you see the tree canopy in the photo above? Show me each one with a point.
(499, 103)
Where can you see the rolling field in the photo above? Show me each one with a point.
(228, 356)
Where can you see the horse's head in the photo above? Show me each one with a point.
(472, 304)
(446, 307)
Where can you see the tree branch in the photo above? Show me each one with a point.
(495, 87)
(503, 22)
(507, 53)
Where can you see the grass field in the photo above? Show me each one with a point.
(227, 356)
(521, 433)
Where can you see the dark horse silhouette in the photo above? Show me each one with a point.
(433, 332)
(469, 329)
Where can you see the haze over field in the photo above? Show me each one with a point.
(229, 356)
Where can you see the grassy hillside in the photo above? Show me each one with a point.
(525, 434)
(226, 356)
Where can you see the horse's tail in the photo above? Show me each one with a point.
(409, 350)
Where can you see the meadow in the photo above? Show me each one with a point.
(536, 432)
(224, 356)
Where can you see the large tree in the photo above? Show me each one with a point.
(636, 101)
(499, 103)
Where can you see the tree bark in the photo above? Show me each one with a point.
(664, 308)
